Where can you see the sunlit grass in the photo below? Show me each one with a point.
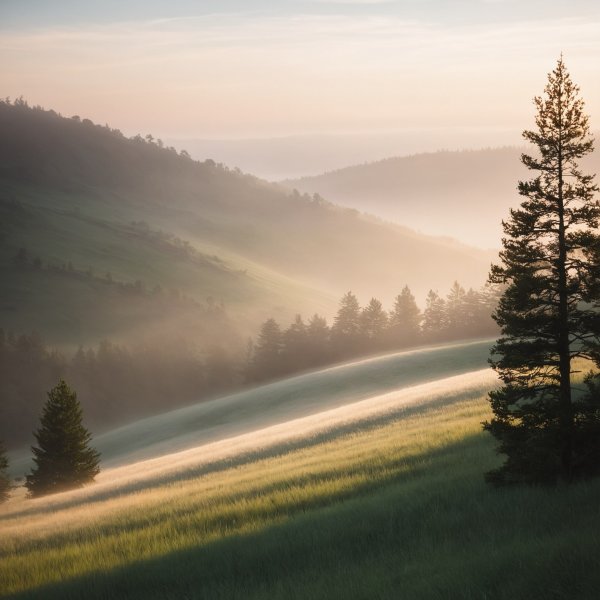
(395, 510)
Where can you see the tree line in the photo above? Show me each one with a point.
(364, 330)
(115, 382)
(118, 382)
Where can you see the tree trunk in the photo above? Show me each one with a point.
(564, 351)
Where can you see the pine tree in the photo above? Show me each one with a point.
(434, 317)
(294, 341)
(63, 460)
(456, 317)
(373, 323)
(318, 341)
(4, 478)
(267, 359)
(549, 312)
(405, 320)
(345, 333)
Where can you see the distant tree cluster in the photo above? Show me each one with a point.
(115, 383)
(360, 330)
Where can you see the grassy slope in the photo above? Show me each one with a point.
(278, 402)
(395, 510)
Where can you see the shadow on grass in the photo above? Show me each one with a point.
(272, 451)
(436, 532)
(327, 533)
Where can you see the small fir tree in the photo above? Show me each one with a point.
(549, 312)
(63, 460)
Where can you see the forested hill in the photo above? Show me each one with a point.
(469, 192)
(88, 214)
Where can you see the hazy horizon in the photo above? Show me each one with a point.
(222, 70)
(294, 156)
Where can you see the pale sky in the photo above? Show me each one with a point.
(252, 68)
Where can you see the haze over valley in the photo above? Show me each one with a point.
(299, 299)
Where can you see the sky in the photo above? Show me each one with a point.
(255, 69)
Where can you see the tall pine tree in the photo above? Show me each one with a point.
(549, 312)
(63, 460)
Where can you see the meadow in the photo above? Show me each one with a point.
(391, 504)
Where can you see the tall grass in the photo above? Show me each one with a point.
(396, 511)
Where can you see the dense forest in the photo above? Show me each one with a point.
(119, 382)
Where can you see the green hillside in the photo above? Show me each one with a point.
(391, 509)
(82, 196)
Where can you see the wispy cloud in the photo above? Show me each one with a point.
(286, 73)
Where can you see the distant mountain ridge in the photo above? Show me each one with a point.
(465, 193)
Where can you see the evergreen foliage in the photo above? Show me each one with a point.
(373, 323)
(63, 460)
(549, 311)
(345, 333)
(4, 478)
(268, 352)
(405, 319)
(435, 317)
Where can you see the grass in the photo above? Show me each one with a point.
(397, 510)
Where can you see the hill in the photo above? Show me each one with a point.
(249, 410)
(96, 213)
(382, 498)
(465, 192)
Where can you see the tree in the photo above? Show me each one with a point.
(405, 320)
(267, 359)
(318, 341)
(456, 316)
(345, 333)
(294, 342)
(373, 323)
(434, 316)
(549, 312)
(63, 460)
(4, 478)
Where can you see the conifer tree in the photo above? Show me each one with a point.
(63, 460)
(345, 333)
(318, 341)
(405, 320)
(4, 478)
(456, 317)
(434, 316)
(373, 322)
(549, 312)
(267, 359)
(294, 346)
